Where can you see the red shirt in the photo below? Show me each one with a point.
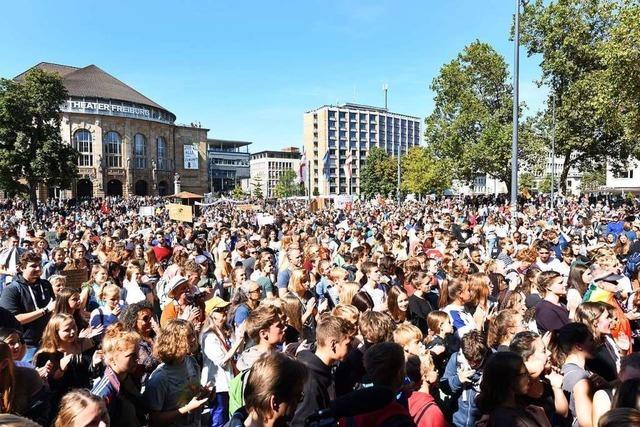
(424, 416)
(162, 252)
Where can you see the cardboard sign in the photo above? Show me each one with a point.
(247, 207)
(146, 211)
(180, 212)
(75, 278)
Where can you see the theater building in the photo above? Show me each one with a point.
(128, 144)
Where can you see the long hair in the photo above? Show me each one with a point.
(575, 278)
(451, 288)
(50, 338)
(297, 281)
(588, 313)
(7, 379)
(74, 402)
(392, 302)
(499, 377)
(62, 306)
(292, 308)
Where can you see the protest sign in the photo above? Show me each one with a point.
(75, 278)
(146, 211)
(180, 212)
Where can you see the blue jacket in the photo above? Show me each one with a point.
(467, 413)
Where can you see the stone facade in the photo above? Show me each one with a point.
(135, 175)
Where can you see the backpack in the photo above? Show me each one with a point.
(236, 391)
(633, 262)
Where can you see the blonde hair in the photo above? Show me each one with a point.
(347, 292)
(292, 308)
(347, 312)
(116, 339)
(406, 333)
(172, 344)
(74, 402)
(296, 284)
(109, 289)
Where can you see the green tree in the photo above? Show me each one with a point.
(237, 193)
(471, 123)
(593, 179)
(257, 187)
(379, 174)
(287, 185)
(573, 38)
(621, 57)
(31, 147)
(316, 193)
(545, 184)
(423, 173)
(526, 181)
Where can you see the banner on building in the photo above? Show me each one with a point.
(190, 155)
(180, 212)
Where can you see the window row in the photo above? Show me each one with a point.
(83, 143)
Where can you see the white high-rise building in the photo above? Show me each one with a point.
(353, 129)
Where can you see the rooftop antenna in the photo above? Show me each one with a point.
(385, 88)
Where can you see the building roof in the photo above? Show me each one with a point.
(93, 82)
(360, 107)
(277, 154)
(227, 143)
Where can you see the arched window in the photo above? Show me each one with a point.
(161, 149)
(113, 150)
(82, 142)
(139, 151)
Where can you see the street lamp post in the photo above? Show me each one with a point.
(514, 141)
(553, 152)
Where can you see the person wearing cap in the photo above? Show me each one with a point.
(181, 305)
(218, 356)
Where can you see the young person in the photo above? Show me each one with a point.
(273, 390)
(30, 300)
(333, 336)
(117, 386)
(422, 405)
(504, 378)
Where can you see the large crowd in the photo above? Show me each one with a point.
(438, 312)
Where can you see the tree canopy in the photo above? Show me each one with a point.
(379, 174)
(588, 56)
(471, 124)
(287, 185)
(31, 148)
(423, 173)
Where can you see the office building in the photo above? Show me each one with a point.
(268, 166)
(228, 164)
(352, 129)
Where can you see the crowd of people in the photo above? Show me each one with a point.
(439, 312)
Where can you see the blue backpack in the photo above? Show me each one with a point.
(633, 262)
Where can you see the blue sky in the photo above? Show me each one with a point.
(249, 70)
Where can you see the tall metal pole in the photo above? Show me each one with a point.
(553, 152)
(385, 88)
(399, 194)
(514, 142)
(309, 178)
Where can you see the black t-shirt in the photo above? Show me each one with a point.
(20, 297)
(419, 308)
